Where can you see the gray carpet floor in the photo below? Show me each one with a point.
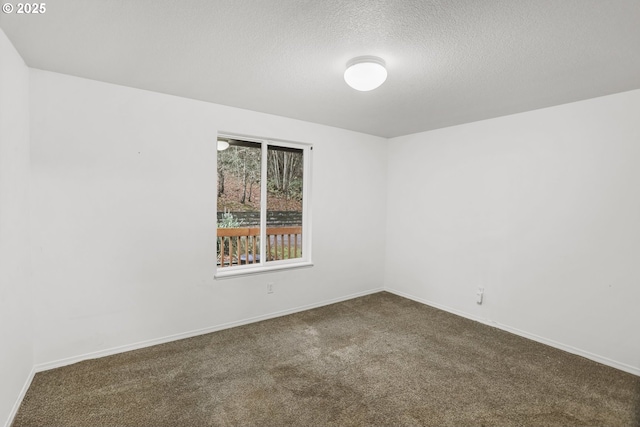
(379, 360)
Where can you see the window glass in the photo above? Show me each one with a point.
(239, 173)
(262, 200)
(284, 203)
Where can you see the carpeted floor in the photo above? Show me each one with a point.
(379, 360)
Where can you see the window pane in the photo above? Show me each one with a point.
(239, 171)
(284, 203)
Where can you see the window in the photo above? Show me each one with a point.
(263, 218)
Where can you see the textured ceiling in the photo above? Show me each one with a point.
(449, 61)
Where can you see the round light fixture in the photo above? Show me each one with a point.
(365, 73)
(222, 145)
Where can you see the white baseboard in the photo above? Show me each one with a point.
(18, 402)
(162, 340)
(595, 357)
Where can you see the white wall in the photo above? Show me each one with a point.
(123, 184)
(542, 209)
(16, 349)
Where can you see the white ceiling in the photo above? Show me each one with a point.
(449, 61)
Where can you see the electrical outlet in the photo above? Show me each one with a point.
(270, 287)
(480, 295)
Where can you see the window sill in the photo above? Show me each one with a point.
(230, 272)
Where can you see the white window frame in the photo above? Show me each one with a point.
(263, 266)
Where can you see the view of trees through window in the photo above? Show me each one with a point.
(240, 178)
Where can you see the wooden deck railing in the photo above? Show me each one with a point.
(242, 245)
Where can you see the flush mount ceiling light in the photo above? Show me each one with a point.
(222, 145)
(365, 73)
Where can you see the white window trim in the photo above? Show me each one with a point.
(263, 266)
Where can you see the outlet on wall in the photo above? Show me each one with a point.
(480, 295)
(270, 287)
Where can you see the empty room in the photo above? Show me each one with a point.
(320, 213)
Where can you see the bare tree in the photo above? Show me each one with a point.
(284, 168)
